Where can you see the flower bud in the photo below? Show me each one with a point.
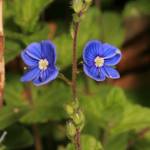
(69, 109)
(71, 129)
(88, 1)
(75, 105)
(77, 5)
(78, 118)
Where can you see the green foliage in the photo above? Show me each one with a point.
(119, 141)
(64, 41)
(18, 137)
(111, 28)
(110, 117)
(26, 17)
(137, 8)
(134, 119)
(87, 143)
(22, 25)
(10, 115)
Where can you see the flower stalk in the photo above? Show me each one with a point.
(2, 65)
(76, 116)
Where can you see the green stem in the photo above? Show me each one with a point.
(65, 79)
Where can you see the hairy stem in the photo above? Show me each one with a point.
(2, 64)
(74, 78)
(77, 140)
(74, 62)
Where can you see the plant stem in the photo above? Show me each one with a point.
(37, 138)
(97, 3)
(74, 62)
(65, 79)
(77, 140)
(2, 64)
(74, 78)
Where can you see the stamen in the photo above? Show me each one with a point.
(99, 61)
(43, 64)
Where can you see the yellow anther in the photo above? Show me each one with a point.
(43, 64)
(99, 61)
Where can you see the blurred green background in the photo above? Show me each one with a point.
(117, 112)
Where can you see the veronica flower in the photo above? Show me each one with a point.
(40, 59)
(99, 59)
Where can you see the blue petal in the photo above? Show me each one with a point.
(113, 60)
(49, 51)
(29, 61)
(91, 51)
(46, 76)
(109, 51)
(34, 50)
(94, 73)
(30, 75)
(111, 72)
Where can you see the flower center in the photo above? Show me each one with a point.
(99, 61)
(43, 64)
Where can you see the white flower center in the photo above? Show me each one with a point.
(43, 64)
(99, 61)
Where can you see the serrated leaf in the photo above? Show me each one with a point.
(27, 16)
(107, 110)
(47, 103)
(113, 107)
(134, 118)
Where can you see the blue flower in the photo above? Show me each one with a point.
(99, 59)
(40, 59)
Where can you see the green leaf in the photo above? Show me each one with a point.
(87, 143)
(15, 45)
(111, 28)
(10, 115)
(3, 147)
(113, 107)
(7, 10)
(115, 142)
(12, 49)
(27, 16)
(18, 137)
(137, 8)
(37, 36)
(134, 118)
(47, 103)
(15, 99)
(104, 110)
